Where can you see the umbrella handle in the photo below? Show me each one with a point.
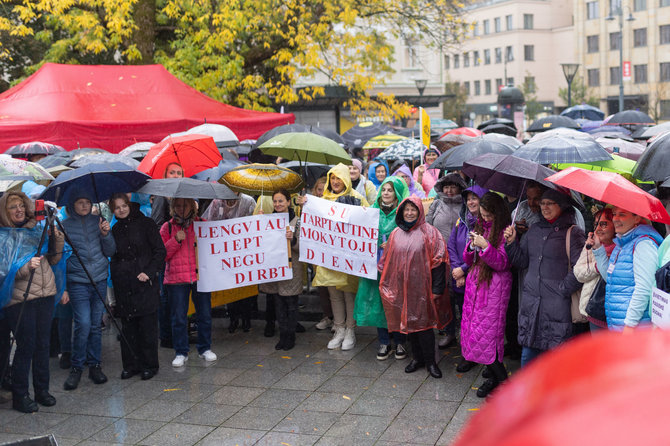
(288, 246)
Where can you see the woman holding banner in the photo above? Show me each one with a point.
(341, 287)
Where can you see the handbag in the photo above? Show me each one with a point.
(596, 304)
(577, 316)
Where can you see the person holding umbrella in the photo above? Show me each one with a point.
(423, 175)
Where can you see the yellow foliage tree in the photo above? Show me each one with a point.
(249, 53)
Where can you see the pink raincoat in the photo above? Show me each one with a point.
(406, 282)
(485, 305)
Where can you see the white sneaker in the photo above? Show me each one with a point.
(324, 323)
(208, 355)
(179, 361)
(338, 337)
(349, 341)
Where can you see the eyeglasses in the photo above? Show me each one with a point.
(547, 203)
(602, 224)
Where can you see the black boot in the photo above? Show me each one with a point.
(45, 398)
(413, 366)
(269, 329)
(434, 370)
(486, 388)
(246, 325)
(234, 323)
(65, 361)
(465, 366)
(282, 339)
(24, 404)
(289, 341)
(96, 375)
(72, 380)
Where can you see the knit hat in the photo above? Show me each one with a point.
(357, 163)
(563, 200)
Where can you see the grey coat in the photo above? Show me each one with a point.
(444, 211)
(544, 309)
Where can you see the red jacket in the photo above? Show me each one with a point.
(180, 258)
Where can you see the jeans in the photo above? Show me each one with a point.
(528, 354)
(178, 300)
(87, 309)
(32, 344)
(385, 338)
(64, 316)
(164, 314)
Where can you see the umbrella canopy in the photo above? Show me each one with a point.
(105, 158)
(561, 131)
(466, 131)
(623, 147)
(214, 173)
(358, 135)
(504, 121)
(584, 111)
(654, 164)
(453, 159)
(34, 148)
(194, 153)
(618, 164)
(222, 135)
(446, 142)
(613, 130)
(187, 188)
(304, 146)
(560, 149)
(104, 180)
(383, 141)
(552, 122)
(65, 158)
(648, 132)
(310, 172)
(298, 128)
(407, 150)
(138, 150)
(500, 128)
(261, 179)
(23, 170)
(505, 139)
(630, 117)
(510, 175)
(612, 188)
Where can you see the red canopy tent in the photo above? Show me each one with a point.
(113, 106)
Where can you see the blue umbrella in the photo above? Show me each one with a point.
(584, 111)
(103, 180)
(214, 173)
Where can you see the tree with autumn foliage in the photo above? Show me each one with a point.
(248, 53)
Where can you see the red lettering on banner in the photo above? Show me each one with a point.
(218, 251)
(239, 278)
(363, 269)
(335, 262)
(349, 264)
(310, 254)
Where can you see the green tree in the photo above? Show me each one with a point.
(581, 94)
(529, 89)
(249, 53)
(456, 106)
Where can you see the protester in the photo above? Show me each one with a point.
(341, 287)
(629, 270)
(487, 291)
(586, 269)
(377, 171)
(224, 210)
(181, 279)
(135, 269)
(368, 308)
(284, 294)
(413, 283)
(404, 173)
(91, 237)
(545, 319)
(359, 183)
(459, 268)
(422, 174)
(29, 316)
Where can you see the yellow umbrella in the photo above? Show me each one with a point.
(260, 179)
(382, 141)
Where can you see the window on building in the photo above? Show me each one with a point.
(475, 29)
(498, 55)
(510, 81)
(592, 10)
(509, 24)
(466, 60)
(528, 21)
(615, 75)
(664, 34)
(478, 88)
(475, 58)
(640, 74)
(447, 62)
(411, 54)
(665, 72)
(593, 77)
(640, 37)
(640, 5)
(665, 108)
(530, 84)
(663, 3)
(457, 61)
(529, 52)
(593, 44)
(467, 87)
(487, 86)
(615, 40)
(497, 24)
(498, 84)
(487, 28)
(509, 54)
(487, 57)
(615, 7)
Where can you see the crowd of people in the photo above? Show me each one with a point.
(454, 264)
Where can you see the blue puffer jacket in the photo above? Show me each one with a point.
(93, 248)
(620, 274)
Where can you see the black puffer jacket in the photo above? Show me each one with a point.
(139, 249)
(544, 309)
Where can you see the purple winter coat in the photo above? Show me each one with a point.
(485, 305)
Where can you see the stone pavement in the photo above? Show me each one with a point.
(256, 395)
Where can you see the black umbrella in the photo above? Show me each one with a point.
(215, 173)
(297, 128)
(65, 158)
(584, 111)
(358, 135)
(649, 132)
(188, 188)
(310, 172)
(630, 117)
(453, 159)
(503, 129)
(504, 121)
(552, 122)
(34, 148)
(654, 164)
(561, 149)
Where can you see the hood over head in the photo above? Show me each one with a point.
(400, 220)
(5, 221)
(371, 172)
(342, 172)
(75, 195)
(432, 148)
(401, 190)
(450, 178)
(475, 189)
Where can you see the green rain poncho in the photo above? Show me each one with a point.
(368, 309)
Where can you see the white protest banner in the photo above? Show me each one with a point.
(660, 308)
(340, 237)
(242, 251)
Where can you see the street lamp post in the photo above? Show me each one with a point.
(630, 18)
(420, 85)
(569, 71)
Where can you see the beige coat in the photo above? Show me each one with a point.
(290, 287)
(586, 272)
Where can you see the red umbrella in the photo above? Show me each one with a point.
(606, 389)
(467, 131)
(612, 188)
(194, 153)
